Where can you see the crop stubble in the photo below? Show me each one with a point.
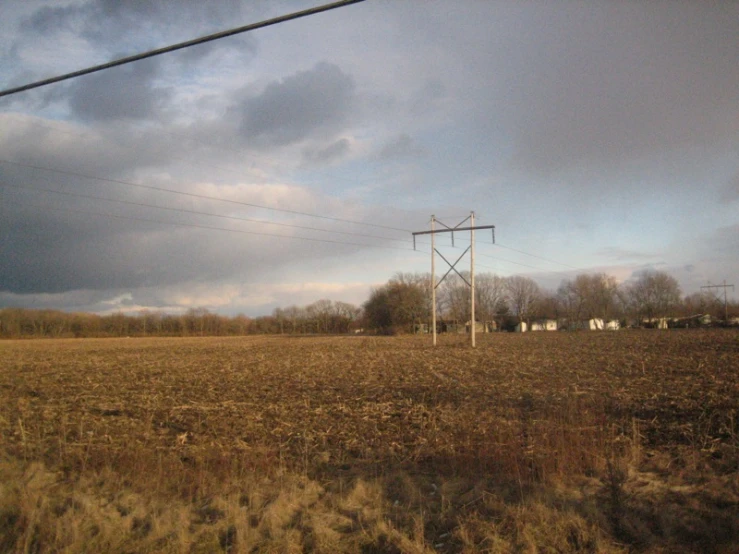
(185, 415)
(318, 403)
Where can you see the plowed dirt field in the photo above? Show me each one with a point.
(525, 410)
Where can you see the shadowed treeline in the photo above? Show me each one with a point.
(323, 316)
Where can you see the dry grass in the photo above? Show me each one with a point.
(583, 442)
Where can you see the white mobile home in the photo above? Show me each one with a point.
(544, 325)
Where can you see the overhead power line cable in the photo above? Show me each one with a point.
(212, 228)
(522, 265)
(201, 196)
(181, 45)
(463, 239)
(189, 159)
(535, 256)
(196, 212)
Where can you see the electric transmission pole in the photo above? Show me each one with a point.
(452, 266)
(726, 303)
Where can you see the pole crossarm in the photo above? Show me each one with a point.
(475, 228)
(451, 230)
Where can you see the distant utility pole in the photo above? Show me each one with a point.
(726, 303)
(452, 266)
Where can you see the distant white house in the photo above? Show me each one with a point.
(544, 325)
(596, 324)
(482, 327)
(656, 322)
(521, 327)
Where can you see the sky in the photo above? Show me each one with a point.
(292, 163)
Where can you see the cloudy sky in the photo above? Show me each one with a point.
(292, 163)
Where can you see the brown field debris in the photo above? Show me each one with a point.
(561, 442)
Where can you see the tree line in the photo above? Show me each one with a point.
(404, 302)
(323, 316)
(400, 305)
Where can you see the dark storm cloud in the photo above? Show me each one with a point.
(51, 19)
(49, 246)
(44, 252)
(99, 31)
(56, 243)
(298, 106)
(172, 22)
(126, 92)
(103, 21)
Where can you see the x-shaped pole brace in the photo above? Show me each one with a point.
(452, 267)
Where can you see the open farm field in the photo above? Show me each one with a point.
(543, 442)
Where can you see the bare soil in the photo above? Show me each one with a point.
(586, 442)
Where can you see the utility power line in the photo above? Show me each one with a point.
(499, 259)
(200, 196)
(195, 212)
(212, 228)
(535, 256)
(181, 45)
(522, 265)
(293, 212)
(86, 134)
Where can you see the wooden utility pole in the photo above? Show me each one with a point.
(433, 279)
(473, 326)
(452, 266)
(726, 303)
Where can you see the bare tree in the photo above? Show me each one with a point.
(522, 293)
(653, 294)
(490, 296)
(703, 303)
(548, 306)
(454, 297)
(588, 296)
(572, 296)
(602, 296)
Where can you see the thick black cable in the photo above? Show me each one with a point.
(181, 45)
